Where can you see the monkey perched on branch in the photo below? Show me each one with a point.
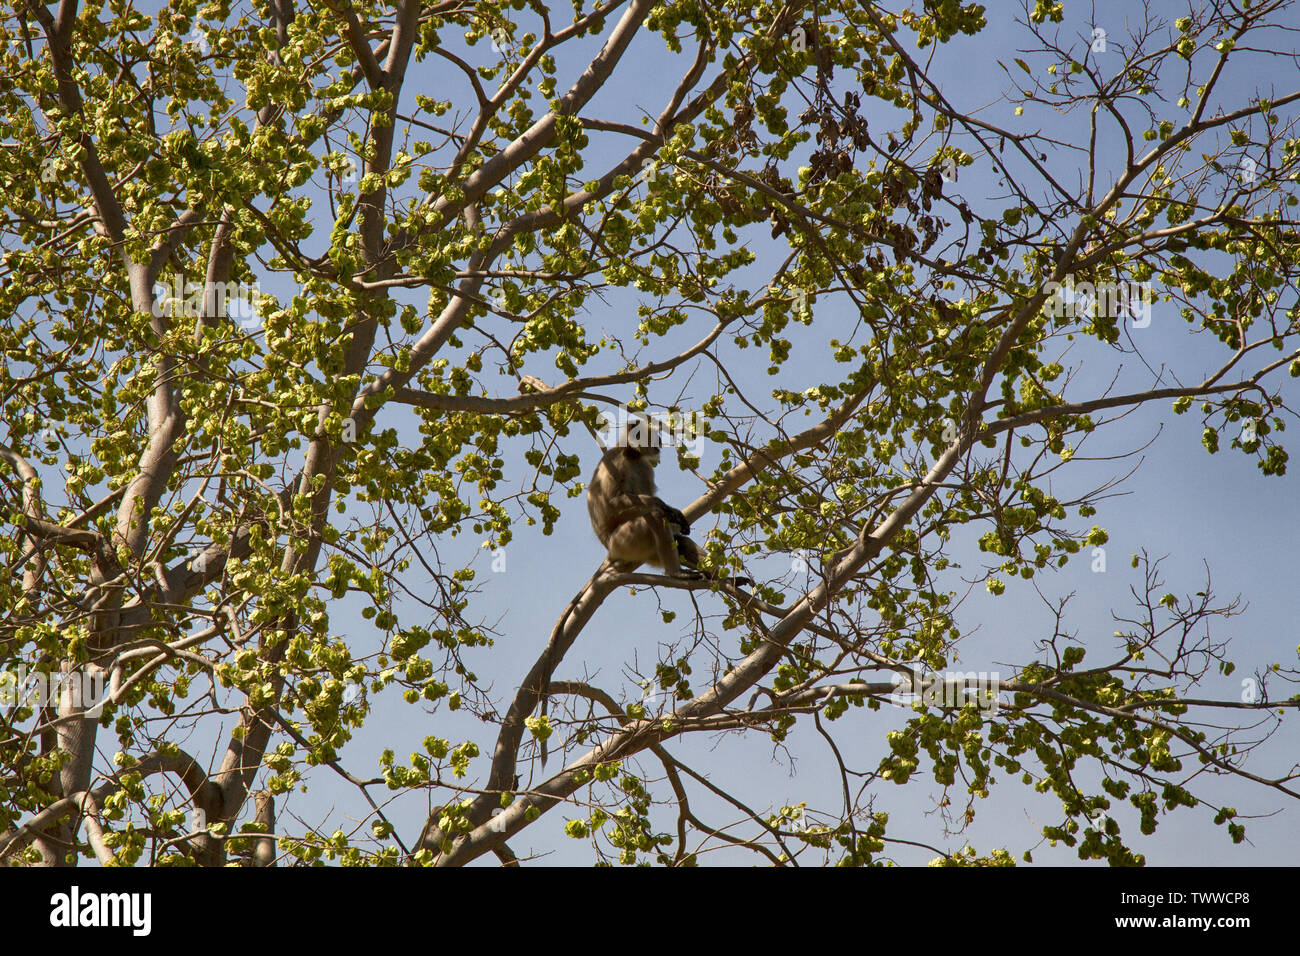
(635, 525)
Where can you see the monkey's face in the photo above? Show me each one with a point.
(639, 438)
(649, 453)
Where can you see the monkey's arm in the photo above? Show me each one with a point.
(623, 508)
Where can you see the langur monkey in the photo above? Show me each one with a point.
(635, 525)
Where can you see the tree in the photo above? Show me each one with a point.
(252, 446)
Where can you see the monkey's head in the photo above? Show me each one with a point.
(638, 438)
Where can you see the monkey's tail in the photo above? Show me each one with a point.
(546, 750)
(549, 663)
(544, 692)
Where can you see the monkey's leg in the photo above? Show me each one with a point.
(647, 540)
(670, 557)
(634, 541)
(687, 550)
(690, 555)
